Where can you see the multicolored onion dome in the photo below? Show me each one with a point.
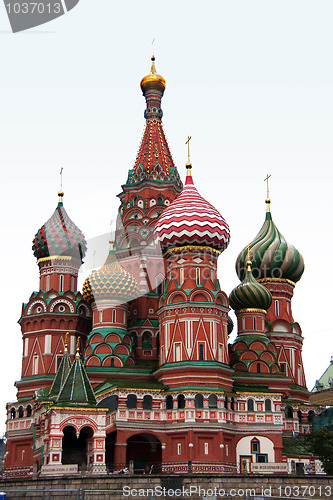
(250, 294)
(59, 236)
(110, 282)
(153, 81)
(272, 256)
(191, 220)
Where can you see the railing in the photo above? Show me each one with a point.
(199, 467)
(17, 472)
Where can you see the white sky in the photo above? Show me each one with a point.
(250, 81)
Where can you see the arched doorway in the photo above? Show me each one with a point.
(109, 450)
(74, 448)
(145, 451)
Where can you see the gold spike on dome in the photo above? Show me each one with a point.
(153, 81)
(268, 200)
(66, 342)
(78, 347)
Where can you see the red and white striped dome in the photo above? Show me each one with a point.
(191, 220)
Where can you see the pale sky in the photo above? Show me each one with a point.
(250, 81)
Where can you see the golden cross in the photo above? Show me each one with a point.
(61, 178)
(188, 149)
(66, 341)
(266, 179)
(111, 240)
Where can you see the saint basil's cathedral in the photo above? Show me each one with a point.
(136, 370)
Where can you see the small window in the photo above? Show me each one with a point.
(61, 284)
(113, 316)
(232, 404)
(181, 401)
(201, 352)
(29, 411)
(147, 402)
(160, 200)
(198, 402)
(179, 449)
(169, 402)
(206, 449)
(20, 412)
(255, 445)
(131, 401)
(112, 362)
(283, 367)
(48, 282)
(12, 413)
(197, 275)
(258, 368)
(268, 405)
(226, 402)
(181, 275)
(212, 401)
(250, 405)
(277, 307)
(254, 323)
(288, 412)
(101, 316)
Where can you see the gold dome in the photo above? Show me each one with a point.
(153, 80)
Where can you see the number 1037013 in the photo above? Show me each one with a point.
(33, 8)
(304, 491)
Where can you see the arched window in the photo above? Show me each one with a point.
(299, 415)
(198, 402)
(226, 402)
(146, 403)
(201, 352)
(169, 402)
(250, 405)
(29, 411)
(111, 402)
(268, 405)
(20, 412)
(112, 362)
(288, 412)
(232, 404)
(12, 413)
(255, 445)
(160, 200)
(181, 401)
(212, 401)
(258, 368)
(131, 401)
(146, 340)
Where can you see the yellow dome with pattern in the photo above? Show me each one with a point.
(110, 282)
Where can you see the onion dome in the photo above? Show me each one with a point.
(59, 236)
(153, 81)
(272, 256)
(250, 294)
(191, 220)
(110, 282)
(230, 326)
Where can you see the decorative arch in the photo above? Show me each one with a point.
(34, 304)
(93, 361)
(201, 296)
(176, 297)
(103, 349)
(117, 362)
(73, 422)
(253, 368)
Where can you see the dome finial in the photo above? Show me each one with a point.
(153, 69)
(78, 347)
(60, 192)
(249, 262)
(268, 201)
(111, 241)
(188, 164)
(66, 342)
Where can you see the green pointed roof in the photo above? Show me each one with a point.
(326, 380)
(77, 388)
(61, 375)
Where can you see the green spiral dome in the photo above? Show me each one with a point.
(110, 282)
(272, 256)
(250, 294)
